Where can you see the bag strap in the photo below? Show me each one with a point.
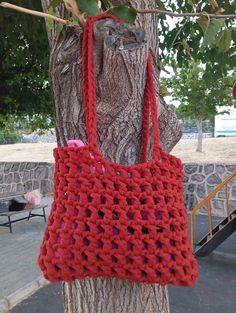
(89, 92)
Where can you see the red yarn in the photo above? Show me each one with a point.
(114, 220)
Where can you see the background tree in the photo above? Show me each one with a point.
(200, 95)
(24, 85)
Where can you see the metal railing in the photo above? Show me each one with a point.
(207, 201)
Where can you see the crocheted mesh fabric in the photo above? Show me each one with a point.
(113, 220)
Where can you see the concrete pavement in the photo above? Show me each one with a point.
(19, 273)
(214, 293)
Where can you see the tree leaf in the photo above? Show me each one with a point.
(160, 5)
(203, 23)
(211, 32)
(88, 6)
(106, 3)
(49, 22)
(225, 40)
(187, 48)
(54, 3)
(126, 13)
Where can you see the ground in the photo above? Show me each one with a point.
(215, 150)
(214, 293)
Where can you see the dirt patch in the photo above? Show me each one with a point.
(222, 150)
(215, 150)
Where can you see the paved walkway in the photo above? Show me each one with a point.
(214, 293)
(19, 251)
(18, 268)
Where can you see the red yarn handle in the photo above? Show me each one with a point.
(89, 91)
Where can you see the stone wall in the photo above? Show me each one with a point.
(26, 176)
(200, 179)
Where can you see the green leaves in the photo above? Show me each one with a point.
(54, 3)
(126, 13)
(88, 6)
(225, 40)
(106, 3)
(211, 32)
(198, 94)
(214, 35)
(160, 5)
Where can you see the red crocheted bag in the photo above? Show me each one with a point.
(114, 220)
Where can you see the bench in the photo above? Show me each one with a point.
(5, 200)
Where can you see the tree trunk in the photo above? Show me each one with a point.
(120, 58)
(200, 135)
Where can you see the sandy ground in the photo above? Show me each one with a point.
(215, 150)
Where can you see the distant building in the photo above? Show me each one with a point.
(225, 124)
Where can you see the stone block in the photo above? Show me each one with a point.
(7, 167)
(8, 178)
(190, 201)
(208, 169)
(51, 171)
(190, 168)
(197, 178)
(28, 185)
(186, 178)
(41, 172)
(22, 166)
(220, 169)
(231, 168)
(1, 178)
(46, 186)
(15, 166)
(214, 179)
(13, 188)
(26, 176)
(31, 174)
(17, 177)
(35, 184)
(191, 187)
(31, 165)
(2, 165)
(20, 188)
(201, 191)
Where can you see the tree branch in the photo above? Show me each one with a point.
(175, 14)
(32, 12)
(141, 11)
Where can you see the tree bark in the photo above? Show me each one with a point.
(200, 135)
(120, 59)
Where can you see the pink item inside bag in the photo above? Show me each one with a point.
(33, 197)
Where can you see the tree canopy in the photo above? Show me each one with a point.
(211, 41)
(23, 42)
(24, 83)
(200, 98)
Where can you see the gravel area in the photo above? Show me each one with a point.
(215, 150)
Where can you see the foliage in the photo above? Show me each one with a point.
(8, 134)
(200, 97)
(210, 41)
(24, 64)
(23, 41)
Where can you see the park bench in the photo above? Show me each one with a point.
(5, 201)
